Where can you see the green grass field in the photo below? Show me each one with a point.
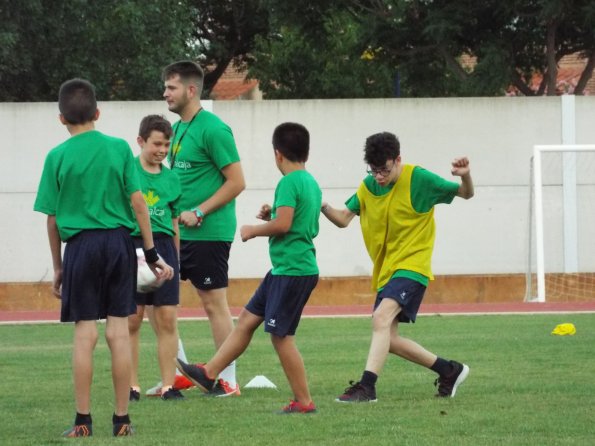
(526, 387)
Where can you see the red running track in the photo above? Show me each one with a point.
(16, 317)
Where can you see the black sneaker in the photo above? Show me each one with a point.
(357, 393)
(79, 430)
(196, 374)
(223, 389)
(134, 395)
(447, 385)
(123, 430)
(172, 394)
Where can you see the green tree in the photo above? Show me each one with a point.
(317, 50)
(119, 45)
(224, 32)
(437, 47)
(509, 41)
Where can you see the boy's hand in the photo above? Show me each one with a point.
(162, 270)
(189, 219)
(57, 284)
(460, 167)
(246, 233)
(264, 213)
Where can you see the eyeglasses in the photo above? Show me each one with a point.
(382, 171)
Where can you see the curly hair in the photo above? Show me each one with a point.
(380, 148)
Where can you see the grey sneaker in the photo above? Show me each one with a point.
(357, 393)
(123, 430)
(79, 430)
(196, 374)
(447, 385)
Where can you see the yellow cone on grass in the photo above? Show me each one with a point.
(564, 329)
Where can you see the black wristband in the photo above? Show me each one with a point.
(151, 255)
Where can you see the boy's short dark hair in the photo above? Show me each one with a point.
(380, 148)
(187, 70)
(77, 102)
(293, 141)
(154, 122)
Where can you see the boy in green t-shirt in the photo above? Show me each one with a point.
(395, 204)
(87, 187)
(161, 190)
(291, 225)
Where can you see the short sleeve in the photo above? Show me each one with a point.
(222, 146)
(47, 192)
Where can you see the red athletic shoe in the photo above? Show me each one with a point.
(297, 407)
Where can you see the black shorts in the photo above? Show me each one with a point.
(204, 263)
(99, 275)
(408, 294)
(280, 300)
(169, 292)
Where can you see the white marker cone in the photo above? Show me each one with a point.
(260, 381)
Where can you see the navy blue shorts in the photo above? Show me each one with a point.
(99, 275)
(204, 263)
(280, 300)
(169, 292)
(408, 294)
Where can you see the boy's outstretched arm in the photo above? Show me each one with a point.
(279, 225)
(339, 217)
(460, 168)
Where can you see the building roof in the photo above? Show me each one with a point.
(233, 85)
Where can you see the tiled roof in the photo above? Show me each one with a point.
(234, 85)
(570, 69)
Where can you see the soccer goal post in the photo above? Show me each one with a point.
(561, 260)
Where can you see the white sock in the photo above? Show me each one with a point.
(181, 354)
(229, 374)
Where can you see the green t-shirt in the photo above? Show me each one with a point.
(427, 190)
(87, 182)
(162, 195)
(200, 150)
(293, 253)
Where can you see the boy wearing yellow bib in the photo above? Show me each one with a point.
(395, 204)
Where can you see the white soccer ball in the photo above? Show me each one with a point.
(146, 281)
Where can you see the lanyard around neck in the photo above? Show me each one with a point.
(177, 145)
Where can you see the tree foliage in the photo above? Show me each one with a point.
(509, 42)
(322, 61)
(437, 47)
(224, 32)
(305, 49)
(119, 45)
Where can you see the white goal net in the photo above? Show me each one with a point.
(561, 255)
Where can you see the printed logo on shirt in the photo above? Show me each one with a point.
(156, 212)
(184, 165)
(151, 198)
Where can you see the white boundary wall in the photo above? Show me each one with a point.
(486, 235)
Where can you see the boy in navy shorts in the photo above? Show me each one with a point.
(161, 190)
(291, 225)
(395, 204)
(91, 194)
